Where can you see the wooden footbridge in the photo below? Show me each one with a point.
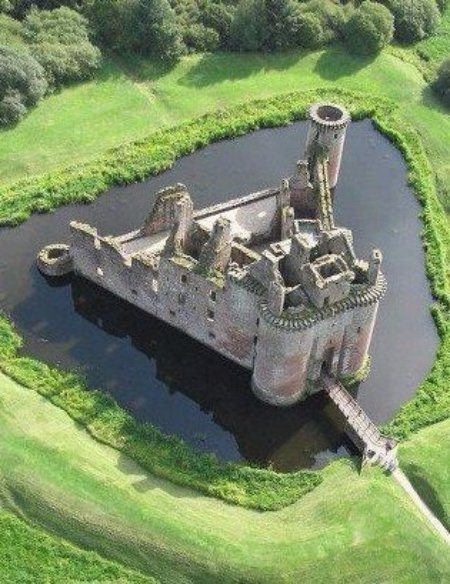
(376, 448)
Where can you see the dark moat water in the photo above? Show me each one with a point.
(164, 377)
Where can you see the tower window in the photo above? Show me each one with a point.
(210, 314)
(183, 278)
(182, 298)
(213, 295)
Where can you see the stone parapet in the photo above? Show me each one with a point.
(357, 298)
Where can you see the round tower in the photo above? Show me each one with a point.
(328, 126)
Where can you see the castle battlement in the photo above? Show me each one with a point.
(267, 280)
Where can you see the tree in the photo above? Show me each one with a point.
(22, 84)
(59, 40)
(107, 19)
(247, 28)
(19, 8)
(279, 31)
(441, 85)
(152, 29)
(413, 19)
(369, 29)
(308, 30)
(219, 18)
(142, 26)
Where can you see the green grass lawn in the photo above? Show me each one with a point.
(30, 556)
(132, 97)
(351, 529)
(425, 458)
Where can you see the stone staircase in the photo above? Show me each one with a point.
(376, 448)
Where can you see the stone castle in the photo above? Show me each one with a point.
(267, 280)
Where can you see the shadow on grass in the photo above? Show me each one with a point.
(145, 481)
(427, 493)
(337, 63)
(219, 67)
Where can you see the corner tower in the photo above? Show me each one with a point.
(328, 127)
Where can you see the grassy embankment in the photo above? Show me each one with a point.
(352, 528)
(425, 458)
(30, 556)
(127, 103)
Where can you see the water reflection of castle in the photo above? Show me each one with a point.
(288, 438)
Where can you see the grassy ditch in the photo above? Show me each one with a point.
(169, 457)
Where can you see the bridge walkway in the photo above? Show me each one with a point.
(377, 449)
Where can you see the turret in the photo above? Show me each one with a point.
(328, 127)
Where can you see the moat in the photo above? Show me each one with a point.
(170, 380)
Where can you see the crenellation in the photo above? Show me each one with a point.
(268, 280)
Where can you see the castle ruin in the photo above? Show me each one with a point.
(268, 280)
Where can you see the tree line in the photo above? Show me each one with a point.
(45, 44)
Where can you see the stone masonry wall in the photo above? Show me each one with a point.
(288, 362)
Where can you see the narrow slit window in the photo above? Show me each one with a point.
(210, 314)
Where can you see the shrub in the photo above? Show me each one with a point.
(22, 84)
(11, 31)
(331, 16)
(308, 30)
(441, 85)
(201, 38)
(369, 29)
(59, 40)
(413, 19)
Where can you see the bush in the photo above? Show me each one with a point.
(22, 84)
(308, 31)
(413, 19)
(369, 29)
(331, 16)
(441, 85)
(59, 40)
(201, 38)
